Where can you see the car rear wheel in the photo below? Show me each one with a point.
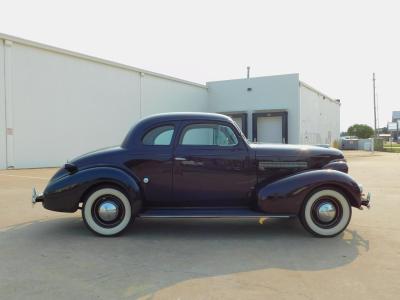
(326, 213)
(107, 211)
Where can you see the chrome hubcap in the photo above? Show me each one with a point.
(108, 211)
(326, 212)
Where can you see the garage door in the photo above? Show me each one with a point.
(269, 129)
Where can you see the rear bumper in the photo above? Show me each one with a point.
(61, 203)
(36, 197)
(366, 201)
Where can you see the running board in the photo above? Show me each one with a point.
(207, 213)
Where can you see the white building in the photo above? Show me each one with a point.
(56, 104)
(277, 109)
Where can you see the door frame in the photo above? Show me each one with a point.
(186, 153)
(283, 114)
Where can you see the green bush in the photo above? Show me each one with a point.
(361, 131)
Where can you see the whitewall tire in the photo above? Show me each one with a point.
(326, 213)
(107, 211)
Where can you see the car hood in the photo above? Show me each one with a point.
(295, 150)
(315, 156)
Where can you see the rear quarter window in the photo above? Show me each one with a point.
(159, 136)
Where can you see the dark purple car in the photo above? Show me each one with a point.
(200, 165)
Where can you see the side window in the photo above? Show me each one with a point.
(159, 136)
(208, 135)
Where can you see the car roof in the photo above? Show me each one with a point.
(137, 130)
(179, 116)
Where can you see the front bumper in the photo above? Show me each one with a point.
(36, 197)
(366, 201)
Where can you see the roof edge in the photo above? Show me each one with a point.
(22, 41)
(255, 77)
(318, 92)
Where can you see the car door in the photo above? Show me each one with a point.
(211, 166)
(153, 162)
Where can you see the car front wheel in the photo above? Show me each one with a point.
(326, 213)
(107, 211)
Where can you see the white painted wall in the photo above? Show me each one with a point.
(62, 105)
(268, 93)
(320, 117)
(2, 109)
(65, 106)
(161, 95)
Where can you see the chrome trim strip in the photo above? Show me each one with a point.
(262, 165)
(180, 158)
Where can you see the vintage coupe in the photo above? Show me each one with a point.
(200, 165)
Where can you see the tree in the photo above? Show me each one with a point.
(361, 131)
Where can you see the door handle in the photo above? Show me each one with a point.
(180, 158)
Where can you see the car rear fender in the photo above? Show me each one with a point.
(286, 195)
(66, 193)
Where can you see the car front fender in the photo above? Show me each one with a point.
(64, 194)
(286, 195)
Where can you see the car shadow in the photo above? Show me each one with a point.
(156, 253)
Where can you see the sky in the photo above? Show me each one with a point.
(335, 46)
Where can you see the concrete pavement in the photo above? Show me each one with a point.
(46, 255)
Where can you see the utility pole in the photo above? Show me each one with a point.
(248, 72)
(373, 82)
(377, 112)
